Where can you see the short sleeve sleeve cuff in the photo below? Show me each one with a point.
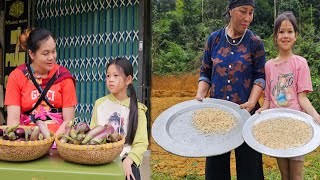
(205, 79)
(260, 82)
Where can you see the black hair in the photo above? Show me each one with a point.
(287, 15)
(36, 37)
(125, 66)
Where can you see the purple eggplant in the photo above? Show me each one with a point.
(5, 137)
(82, 127)
(20, 132)
(27, 133)
(73, 133)
(109, 129)
(80, 137)
(64, 139)
(70, 140)
(1, 132)
(92, 133)
(35, 134)
(43, 129)
(11, 128)
(99, 137)
(114, 137)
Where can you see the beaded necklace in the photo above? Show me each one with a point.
(234, 44)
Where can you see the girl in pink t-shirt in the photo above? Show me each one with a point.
(288, 81)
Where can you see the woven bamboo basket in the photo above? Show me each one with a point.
(90, 154)
(24, 150)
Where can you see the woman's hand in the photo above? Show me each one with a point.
(67, 114)
(247, 106)
(61, 128)
(126, 164)
(13, 115)
(199, 97)
(202, 91)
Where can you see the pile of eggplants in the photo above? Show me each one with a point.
(81, 134)
(16, 133)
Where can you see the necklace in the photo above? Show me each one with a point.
(38, 76)
(234, 44)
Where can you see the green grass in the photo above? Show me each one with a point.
(159, 176)
(311, 171)
(272, 174)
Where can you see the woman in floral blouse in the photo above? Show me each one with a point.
(233, 70)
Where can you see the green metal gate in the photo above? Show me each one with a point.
(90, 34)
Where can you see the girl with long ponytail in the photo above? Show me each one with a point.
(125, 114)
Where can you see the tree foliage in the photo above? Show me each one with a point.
(181, 27)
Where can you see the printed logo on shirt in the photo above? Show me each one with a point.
(281, 91)
(35, 95)
(117, 122)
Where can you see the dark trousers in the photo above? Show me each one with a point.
(248, 164)
(136, 172)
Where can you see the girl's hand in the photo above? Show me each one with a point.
(247, 106)
(318, 118)
(126, 164)
(259, 111)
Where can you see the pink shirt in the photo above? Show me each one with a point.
(285, 80)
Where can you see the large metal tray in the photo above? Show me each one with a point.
(173, 129)
(278, 113)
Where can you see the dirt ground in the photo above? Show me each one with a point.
(166, 92)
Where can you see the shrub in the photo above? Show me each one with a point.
(315, 95)
(173, 60)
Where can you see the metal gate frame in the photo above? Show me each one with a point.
(144, 56)
(143, 85)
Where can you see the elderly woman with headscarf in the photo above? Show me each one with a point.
(233, 70)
